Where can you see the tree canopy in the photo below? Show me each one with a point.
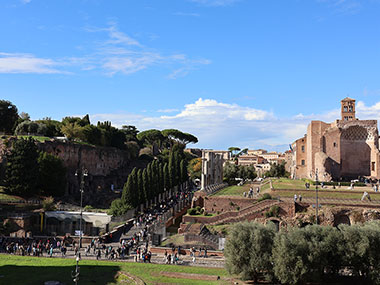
(8, 116)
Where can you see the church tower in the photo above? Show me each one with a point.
(348, 109)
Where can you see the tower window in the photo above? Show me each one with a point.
(335, 145)
(373, 166)
(351, 109)
(345, 109)
(302, 162)
(303, 148)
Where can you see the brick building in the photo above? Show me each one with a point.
(345, 149)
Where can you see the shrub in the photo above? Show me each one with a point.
(48, 204)
(192, 211)
(88, 208)
(248, 251)
(266, 196)
(118, 208)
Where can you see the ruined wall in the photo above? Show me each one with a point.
(214, 204)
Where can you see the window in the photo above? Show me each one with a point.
(373, 166)
(335, 144)
(346, 118)
(303, 162)
(303, 148)
(351, 109)
(345, 109)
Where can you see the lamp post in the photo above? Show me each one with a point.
(84, 173)
(316, 197)
(75, 274)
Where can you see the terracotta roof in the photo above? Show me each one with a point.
(348, 99)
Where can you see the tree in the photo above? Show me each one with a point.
(72, 130)
(8, 117)
(130, 195)
(22, 169)
(166, 177)
(140, 190)
(151, 138)
(118, 208)
(145, 185)
(161, 179)
(130, 132)
(310, 252)
(183, 170)
(179, 137)
(277, 170)
(31, 127)
(53, 128)
(172, 169)
(52, 175)
(195, 168)
(233, 150)
(248, 251)
(149, 172)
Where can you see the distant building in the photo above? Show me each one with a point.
(250, 159)
(345, 149)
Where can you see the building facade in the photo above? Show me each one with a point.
(345, 149)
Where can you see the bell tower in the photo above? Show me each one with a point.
(348, 109)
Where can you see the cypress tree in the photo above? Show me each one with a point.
(183, 168)
(161, 177)
(149, 173)
(172, 170)
(166, 177)
(140, 191)
(156, 177)
(129, 191)
(145, 184)
(22, 170)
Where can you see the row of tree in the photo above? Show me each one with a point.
(81, 129)
(302, 255)
(144, 185)
(232, 171)
(32, 172)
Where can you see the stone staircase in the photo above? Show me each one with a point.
(246, 213)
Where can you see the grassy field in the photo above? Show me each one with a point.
(31, 270)
(321, 194)
(233, 190)
(4, 196)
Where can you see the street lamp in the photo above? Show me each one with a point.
(84, 173)
(316, 196)
(75, 274)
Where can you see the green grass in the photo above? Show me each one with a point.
(176, 239)
(4, 196)
(233, 191)
(321, 194)
(31, 270)
(284, 183)
(37, 138)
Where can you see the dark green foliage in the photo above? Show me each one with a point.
(53, 128)
(118, 208)
(22, 169)
(145, 185)
(248, 251)
(130, 133)
(52, 175)
(277, 170)
(273, 212)
(140, 190)
(183, 171)
(130, 195)
(151, 138)
(32, 128)
(266, 196)
(8, 117)
(179, 137)
(72, 120)
(161, 177)
(166, 177)
(149, 172)
(232, 171)
(172, 169)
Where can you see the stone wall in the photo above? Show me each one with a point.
(214, 204)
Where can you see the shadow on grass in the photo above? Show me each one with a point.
(30, 275)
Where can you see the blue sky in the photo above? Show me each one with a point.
(248, 73)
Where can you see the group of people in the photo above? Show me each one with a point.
(251, 192)
(33, 247)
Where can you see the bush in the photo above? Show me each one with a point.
(266, 196)
(118, 208)
(48, 204)
(192, 212)
(248, 251)
(88, 208)
(273, 212)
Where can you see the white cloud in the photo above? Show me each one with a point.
(27, 63)
(186, 14)
(221, 125)
(26, 1)
(343, 6)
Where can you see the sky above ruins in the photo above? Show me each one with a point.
(247, 73)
